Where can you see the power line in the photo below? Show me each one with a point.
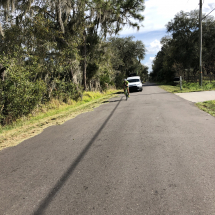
(208, 13)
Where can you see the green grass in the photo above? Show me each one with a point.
(208, 107)
(52, 113)
(189, 87)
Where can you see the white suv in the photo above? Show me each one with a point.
(135, 83)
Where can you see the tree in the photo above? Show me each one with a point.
(129, 55)
(62, 44)
(180, 52)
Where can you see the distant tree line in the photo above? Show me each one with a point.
(58, 48)
(179, 55)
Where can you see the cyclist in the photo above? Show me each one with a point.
(125, 85)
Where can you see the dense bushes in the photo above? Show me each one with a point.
(105, 80)
(51, 48)
(196, 87)
(19, 95)
(64, 91)
(29, 80)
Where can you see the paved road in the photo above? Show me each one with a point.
(153, 154)
(198, 96)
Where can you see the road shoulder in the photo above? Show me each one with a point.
(15, 136)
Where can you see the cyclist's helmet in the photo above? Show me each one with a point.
(125, 80)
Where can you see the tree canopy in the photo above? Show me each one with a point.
(58, 48)
(180, 51)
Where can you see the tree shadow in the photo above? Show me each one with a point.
(133, 91)
(48, 199)
(142, 94)
(148, 84)
(118, 93)
(111, 101)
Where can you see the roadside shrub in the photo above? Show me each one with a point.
(105, 81)
(208, 86)
(196, 87)
(64, 91)
(18, 95)
(23, 86)
(119, 80)
(192, 86)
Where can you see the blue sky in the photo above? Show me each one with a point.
(157, 14)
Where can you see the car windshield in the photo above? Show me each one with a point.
(133, 80)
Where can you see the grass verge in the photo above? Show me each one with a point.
(53, 113)
(189, 87)
(208, 107)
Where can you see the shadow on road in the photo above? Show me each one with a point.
(142, 94)
(111, 101)
(47, 200)
(148, 84)
(118, 93)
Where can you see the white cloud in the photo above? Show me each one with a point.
(152, 58)
(158, 13)
(154, 47)
(149, 63)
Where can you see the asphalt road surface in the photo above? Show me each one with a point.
(152, 154)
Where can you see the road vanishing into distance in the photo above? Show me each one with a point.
(153, 154)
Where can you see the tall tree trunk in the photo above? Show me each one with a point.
(85, 62)
(1, 30)
(71, 74)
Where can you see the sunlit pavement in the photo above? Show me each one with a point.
(150, 155)
(198, 96)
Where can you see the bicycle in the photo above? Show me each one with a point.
(126, 93)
